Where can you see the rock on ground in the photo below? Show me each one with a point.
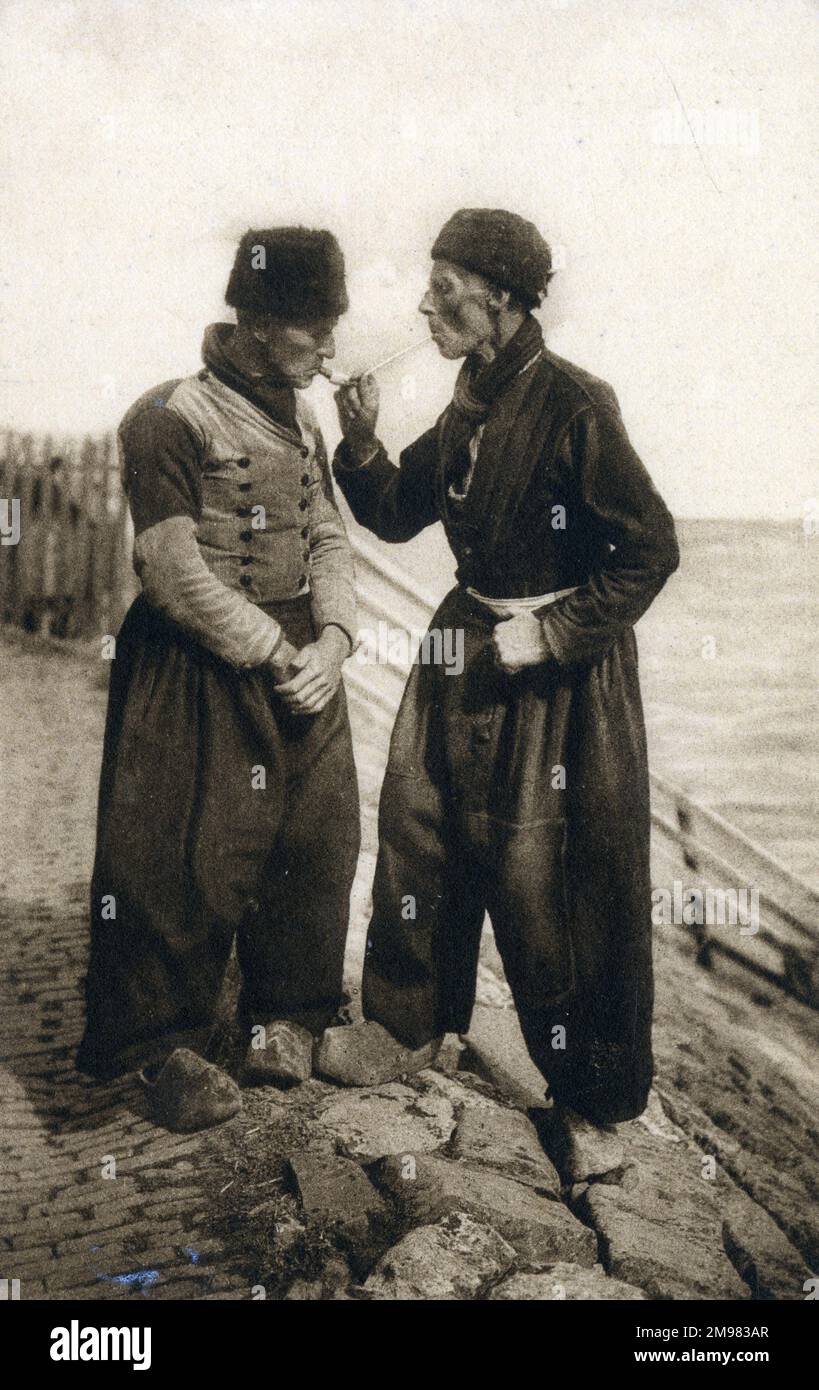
(771, 1266)
(540, 1229)
(453, 1259)
(393, 1119)
(665, 1233)
(580, 1149)
(338, 1191)
(505, 1139)
(564, 1281)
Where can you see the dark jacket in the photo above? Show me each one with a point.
(558, 498)
(580, 509)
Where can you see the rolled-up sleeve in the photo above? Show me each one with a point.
(630, 525)
(162, 475)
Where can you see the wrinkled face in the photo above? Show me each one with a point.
(457, 309)
(296, 351)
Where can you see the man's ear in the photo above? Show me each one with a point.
(262, 328)
(497, 298)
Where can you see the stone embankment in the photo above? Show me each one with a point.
(452, 1182)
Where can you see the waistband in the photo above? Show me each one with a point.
(503, 607)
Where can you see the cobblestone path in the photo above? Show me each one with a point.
(97, 1202)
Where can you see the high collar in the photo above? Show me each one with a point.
(485, 380)
(277, 400)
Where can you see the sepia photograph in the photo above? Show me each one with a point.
(409, 584)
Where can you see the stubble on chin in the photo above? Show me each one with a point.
(450, 351)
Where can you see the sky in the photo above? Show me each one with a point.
(665, 148)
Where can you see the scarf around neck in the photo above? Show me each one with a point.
(276, 399)
(477, 386)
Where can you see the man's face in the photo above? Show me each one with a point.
(296, 351)
(456, 307)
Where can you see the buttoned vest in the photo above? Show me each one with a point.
(260, 484)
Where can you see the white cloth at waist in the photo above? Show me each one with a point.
(504, 607)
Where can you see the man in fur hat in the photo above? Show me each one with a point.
(520, 787)
(228, 800)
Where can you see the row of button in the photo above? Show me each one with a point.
(247, 536)
(245, 463)
(245, 579)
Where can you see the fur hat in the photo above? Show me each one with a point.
(505, 248)
(291, 273)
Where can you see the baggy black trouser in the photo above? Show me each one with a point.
(221, 817)
(490, 805)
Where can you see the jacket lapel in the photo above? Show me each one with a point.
(511, 447)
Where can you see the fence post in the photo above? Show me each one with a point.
(9, 554)
(26, 592)
(73, 541)
(86, 540)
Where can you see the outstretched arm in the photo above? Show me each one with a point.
(394, 503)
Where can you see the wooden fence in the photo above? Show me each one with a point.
(69, 573)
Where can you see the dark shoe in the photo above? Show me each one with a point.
(365, 1054)
(187, 1093)
(285, 1057)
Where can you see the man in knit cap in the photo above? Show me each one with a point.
(519, 787)
(228, 798)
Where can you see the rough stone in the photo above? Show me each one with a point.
(540, 1229)
(774, 1163)
(285, 1060)
(336, 1190)
(390, 1120)
(505, 1139)
(564, 1281)
(460, 1090)
(665, 1235)
(762, 1254)
(365, 1054)
(453, 1259)
(580, 1149)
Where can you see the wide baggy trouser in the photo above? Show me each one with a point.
(525, 797)
(220, 816)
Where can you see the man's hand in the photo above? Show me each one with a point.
(317, 675)
(357, 406)
(281, 659)
(520, 642)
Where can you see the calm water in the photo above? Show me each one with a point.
(739, 729)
